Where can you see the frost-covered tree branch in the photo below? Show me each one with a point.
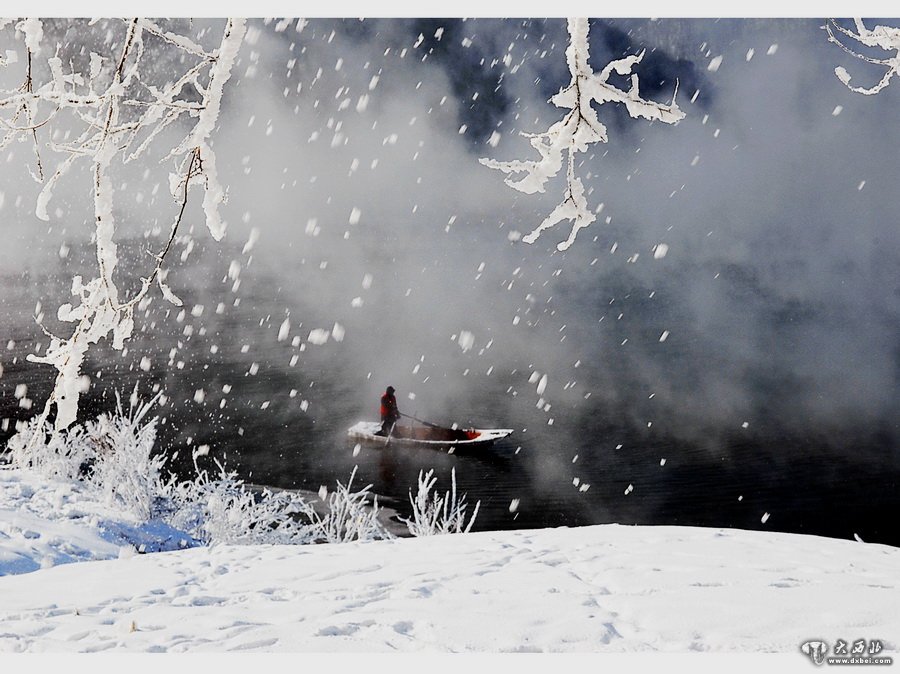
(116, 110)
(578, 129)
(886, 38)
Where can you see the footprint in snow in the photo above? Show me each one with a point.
(343, 631)
(404, 627)
(207, 601)
(255, 645)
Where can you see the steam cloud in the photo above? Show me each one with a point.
(741, 273)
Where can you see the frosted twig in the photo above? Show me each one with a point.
(434, 514)
(349, 517)
(181, 41)
(886, 38)
(577, 130)
(23, 105)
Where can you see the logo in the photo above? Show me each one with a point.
(858, 652)
(816, 650)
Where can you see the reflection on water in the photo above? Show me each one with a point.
(231, 385)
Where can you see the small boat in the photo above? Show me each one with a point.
(429, 437)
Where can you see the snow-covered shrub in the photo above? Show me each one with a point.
(113, 458)
(59, 455)
(225, 510)
(434, 514)
(112, 455)
(126, 473)
(349, 517)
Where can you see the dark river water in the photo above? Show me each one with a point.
(285, 425)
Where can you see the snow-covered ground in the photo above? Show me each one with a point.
(598, 589)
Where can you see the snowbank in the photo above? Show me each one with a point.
(46, 522)
(598, 589)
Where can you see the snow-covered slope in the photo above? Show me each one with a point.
(602, 588)
(46, 522)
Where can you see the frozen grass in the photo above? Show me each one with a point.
(112, 459)
(434, 514)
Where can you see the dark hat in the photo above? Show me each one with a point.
(390, 389)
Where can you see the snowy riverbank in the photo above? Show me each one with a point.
(607, 589)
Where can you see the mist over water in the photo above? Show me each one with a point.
(353, 155)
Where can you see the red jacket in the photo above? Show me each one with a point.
(389, 411)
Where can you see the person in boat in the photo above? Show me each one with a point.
(390, 413)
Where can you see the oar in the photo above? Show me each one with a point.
(409, 416)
